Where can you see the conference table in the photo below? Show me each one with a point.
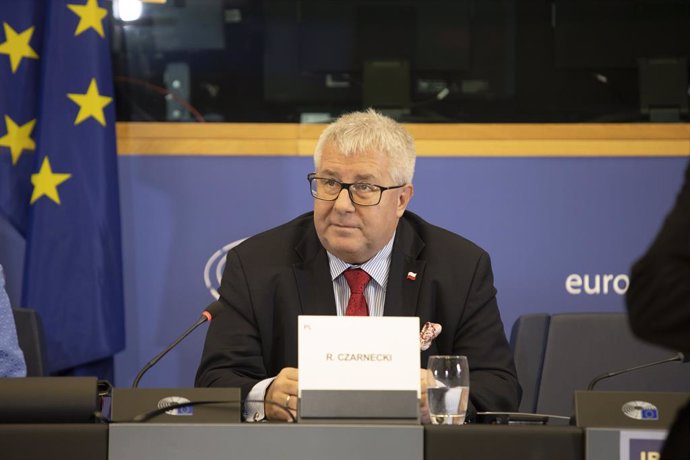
(153, 441)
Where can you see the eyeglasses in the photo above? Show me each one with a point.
(361, 193)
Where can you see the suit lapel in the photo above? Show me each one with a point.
(313, 277)
(315, 287)
(406, 272)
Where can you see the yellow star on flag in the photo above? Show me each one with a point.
(46, 182)
(16, 46)
(91, 103)
(90, 17)
(18, 138)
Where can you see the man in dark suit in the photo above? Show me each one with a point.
(359, 228)
(659, 302)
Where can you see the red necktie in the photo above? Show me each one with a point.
(357, 279)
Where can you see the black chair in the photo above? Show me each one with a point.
(30, 336)
(581, 346)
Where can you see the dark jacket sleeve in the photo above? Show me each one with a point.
(232, 355)
(480, 336)
(659, 295)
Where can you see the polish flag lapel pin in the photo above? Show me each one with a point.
(411, 276)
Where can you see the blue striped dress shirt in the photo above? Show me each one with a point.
(377, 267)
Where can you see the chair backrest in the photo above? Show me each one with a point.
(581, 346)
(528, 340)
(30, 337)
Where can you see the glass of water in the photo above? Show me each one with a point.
(448, 389)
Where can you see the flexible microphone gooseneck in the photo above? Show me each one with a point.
(680, 357)
(207, 315)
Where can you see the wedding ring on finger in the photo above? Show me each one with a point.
(287, 401)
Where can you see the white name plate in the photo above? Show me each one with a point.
(358, 353)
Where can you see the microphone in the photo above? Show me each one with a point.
(146, 416)
(680, 357)
(207, 315)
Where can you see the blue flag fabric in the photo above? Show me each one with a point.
(58, 173)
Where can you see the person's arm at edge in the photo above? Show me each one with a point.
(11, 356)
(659, 295)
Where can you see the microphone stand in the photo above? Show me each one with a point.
(680, 357)
(206, 315)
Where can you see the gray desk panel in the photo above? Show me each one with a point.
(265, 441)
(501, 442)
(602, 444)
(54, 441)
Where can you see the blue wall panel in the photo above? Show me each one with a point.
(541, 219)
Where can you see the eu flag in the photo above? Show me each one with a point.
(58, 175)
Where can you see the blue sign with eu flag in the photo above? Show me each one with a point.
(650, 414)
(58, 176)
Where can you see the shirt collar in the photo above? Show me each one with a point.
(372, 266)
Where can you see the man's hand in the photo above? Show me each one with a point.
(423, 400)
(283, 391)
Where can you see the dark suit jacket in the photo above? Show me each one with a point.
(275, 276)
(659, 301)
(659, 294)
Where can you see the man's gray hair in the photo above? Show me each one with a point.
(358, 132)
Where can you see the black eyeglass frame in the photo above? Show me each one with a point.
(344, 185)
